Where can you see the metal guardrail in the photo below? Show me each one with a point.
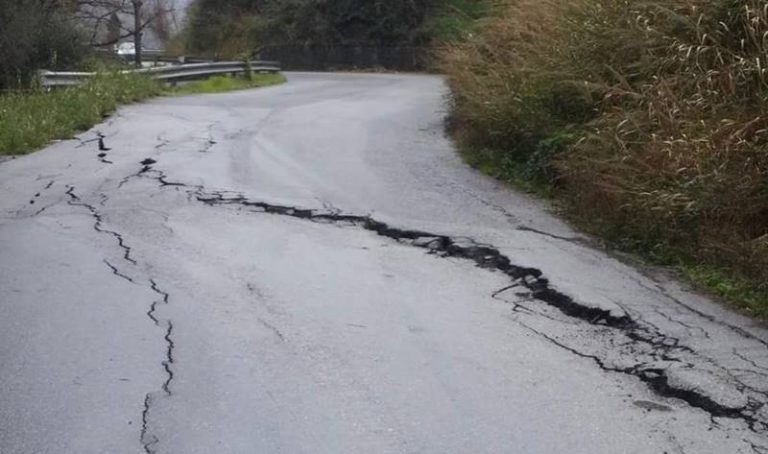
(171, 74)
(180, 59)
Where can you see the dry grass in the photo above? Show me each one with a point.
(657, 112)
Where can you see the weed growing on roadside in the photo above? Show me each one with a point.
(218, 84)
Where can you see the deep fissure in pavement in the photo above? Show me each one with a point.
(98, 226)
(664, 347)
(147, 438)
(103, 149)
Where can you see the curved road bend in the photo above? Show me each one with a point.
(310, 268)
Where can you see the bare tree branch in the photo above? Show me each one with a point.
(99, 15)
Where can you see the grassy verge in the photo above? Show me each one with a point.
(218, 84)
(647, 121)
(746, 293)
(31, 119)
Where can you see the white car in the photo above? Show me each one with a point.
(126, 49)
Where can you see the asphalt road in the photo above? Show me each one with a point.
(310, 268)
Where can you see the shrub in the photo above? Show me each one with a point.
(233, 26)
(34, 35)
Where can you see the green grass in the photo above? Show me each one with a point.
(533, 173)
(499, 166)
(753, 299)
(30, 119)
(218, 84)
(456, 18)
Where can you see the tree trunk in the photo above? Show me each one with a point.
(137, 32)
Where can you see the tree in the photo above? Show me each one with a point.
(312, 23)
(222, 28)
(164, 20)
(114, 26)
(98, 16)
(36, 34)
(138, 31)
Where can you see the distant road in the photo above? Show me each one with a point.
(310, 268)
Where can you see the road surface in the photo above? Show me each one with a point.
(310, 268)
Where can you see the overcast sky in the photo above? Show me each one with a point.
(182, 4)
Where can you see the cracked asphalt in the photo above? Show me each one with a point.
(310, 268)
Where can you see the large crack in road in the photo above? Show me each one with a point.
(149, 440)
(653, 354)
(665, 349)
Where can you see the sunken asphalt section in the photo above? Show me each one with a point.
(310, 268)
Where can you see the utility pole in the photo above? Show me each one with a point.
(137, 31)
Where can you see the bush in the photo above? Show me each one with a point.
(35, 35)
(232, 27)
(665, 105)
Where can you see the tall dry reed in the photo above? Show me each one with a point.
(664, 108)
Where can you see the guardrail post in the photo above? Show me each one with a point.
(41, 78)
(248, 74)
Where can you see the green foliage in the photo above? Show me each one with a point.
(30, 119)
(224, 29)
(230, 27)
(345, 22)
(34, 35)
(534, 172)
(753, 298)
(453, 20)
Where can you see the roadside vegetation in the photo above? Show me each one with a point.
(31, 118)
(38, 35)
(647, 121)
(452, 21)
(35, 35)
(218, 84)
(235, 28)
(229, 28)
(49, 35)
